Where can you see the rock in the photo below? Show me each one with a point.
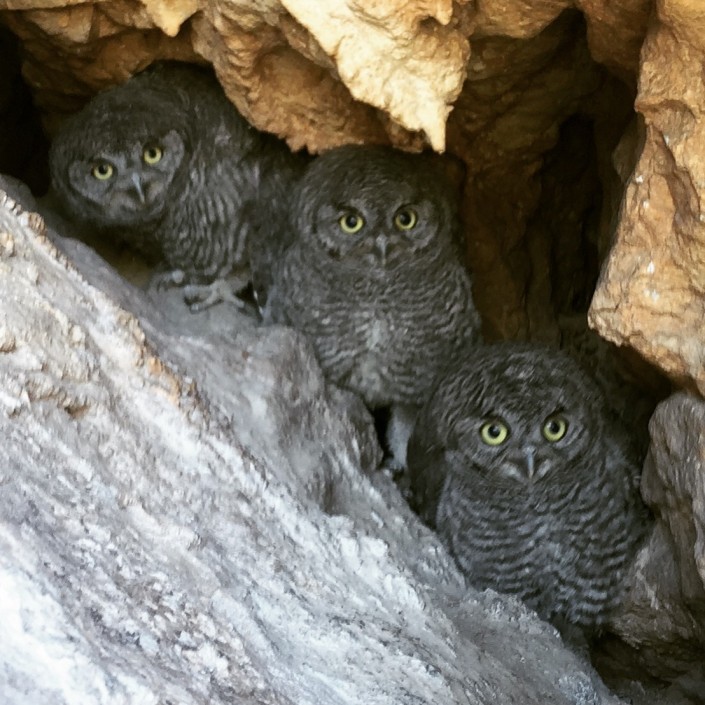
(411, 64)
(663, 619)
(616, 32)
(651, 295)
(517, 18)
(532, 211)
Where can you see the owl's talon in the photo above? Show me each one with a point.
(167, 280)
(199, 297)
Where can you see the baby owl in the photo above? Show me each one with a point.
(165, 163)
(519, 465)
(370, 271)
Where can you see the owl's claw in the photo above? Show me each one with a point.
(168, 279)
(199, 297)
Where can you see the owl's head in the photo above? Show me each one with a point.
(374, 207)
(113, 163)
(521, 414)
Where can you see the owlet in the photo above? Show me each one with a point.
(166, 164)
(530, 481)
(370, 271)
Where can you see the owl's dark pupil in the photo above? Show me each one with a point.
(404, 218)
(102, 169)
(494, 431)
(351, 221)
(554, 427)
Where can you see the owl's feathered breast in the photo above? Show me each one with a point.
(561, 545)
(382, 337)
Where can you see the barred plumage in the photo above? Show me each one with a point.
(382, 305)
(192, 202)
(529, 479)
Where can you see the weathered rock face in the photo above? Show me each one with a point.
(674, 485)
(185, 517)
(663, 620)
(652, 291)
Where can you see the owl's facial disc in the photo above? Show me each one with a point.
(125, 182)
(527, 455)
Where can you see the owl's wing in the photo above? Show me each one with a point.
(271, 231)
(625, 460)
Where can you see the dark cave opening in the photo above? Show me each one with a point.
(537, 124)
(23, 145)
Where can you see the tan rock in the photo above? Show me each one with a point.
(651, 295)
(506, 121)
(406, 58)
(686, 18)
(616, 31)
(170, 15)
(277, 88)
(411, 63)
(519, 19)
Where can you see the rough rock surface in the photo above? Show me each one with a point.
(663, 619)
(411, 63)
(189, 514)
(651, 295)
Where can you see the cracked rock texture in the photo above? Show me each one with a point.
(663, 619)
(189, 514)
(651, 295)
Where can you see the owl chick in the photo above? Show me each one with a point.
(518, 463)
(372, 275)
(166, 164)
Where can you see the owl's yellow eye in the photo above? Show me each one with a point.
(152, 155)
(351, 222)
(494, 433)
(405, 219)
(554, 428)
(102, 171)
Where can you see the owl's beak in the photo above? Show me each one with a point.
(530, 459)
(381, 248)
(138, 187)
